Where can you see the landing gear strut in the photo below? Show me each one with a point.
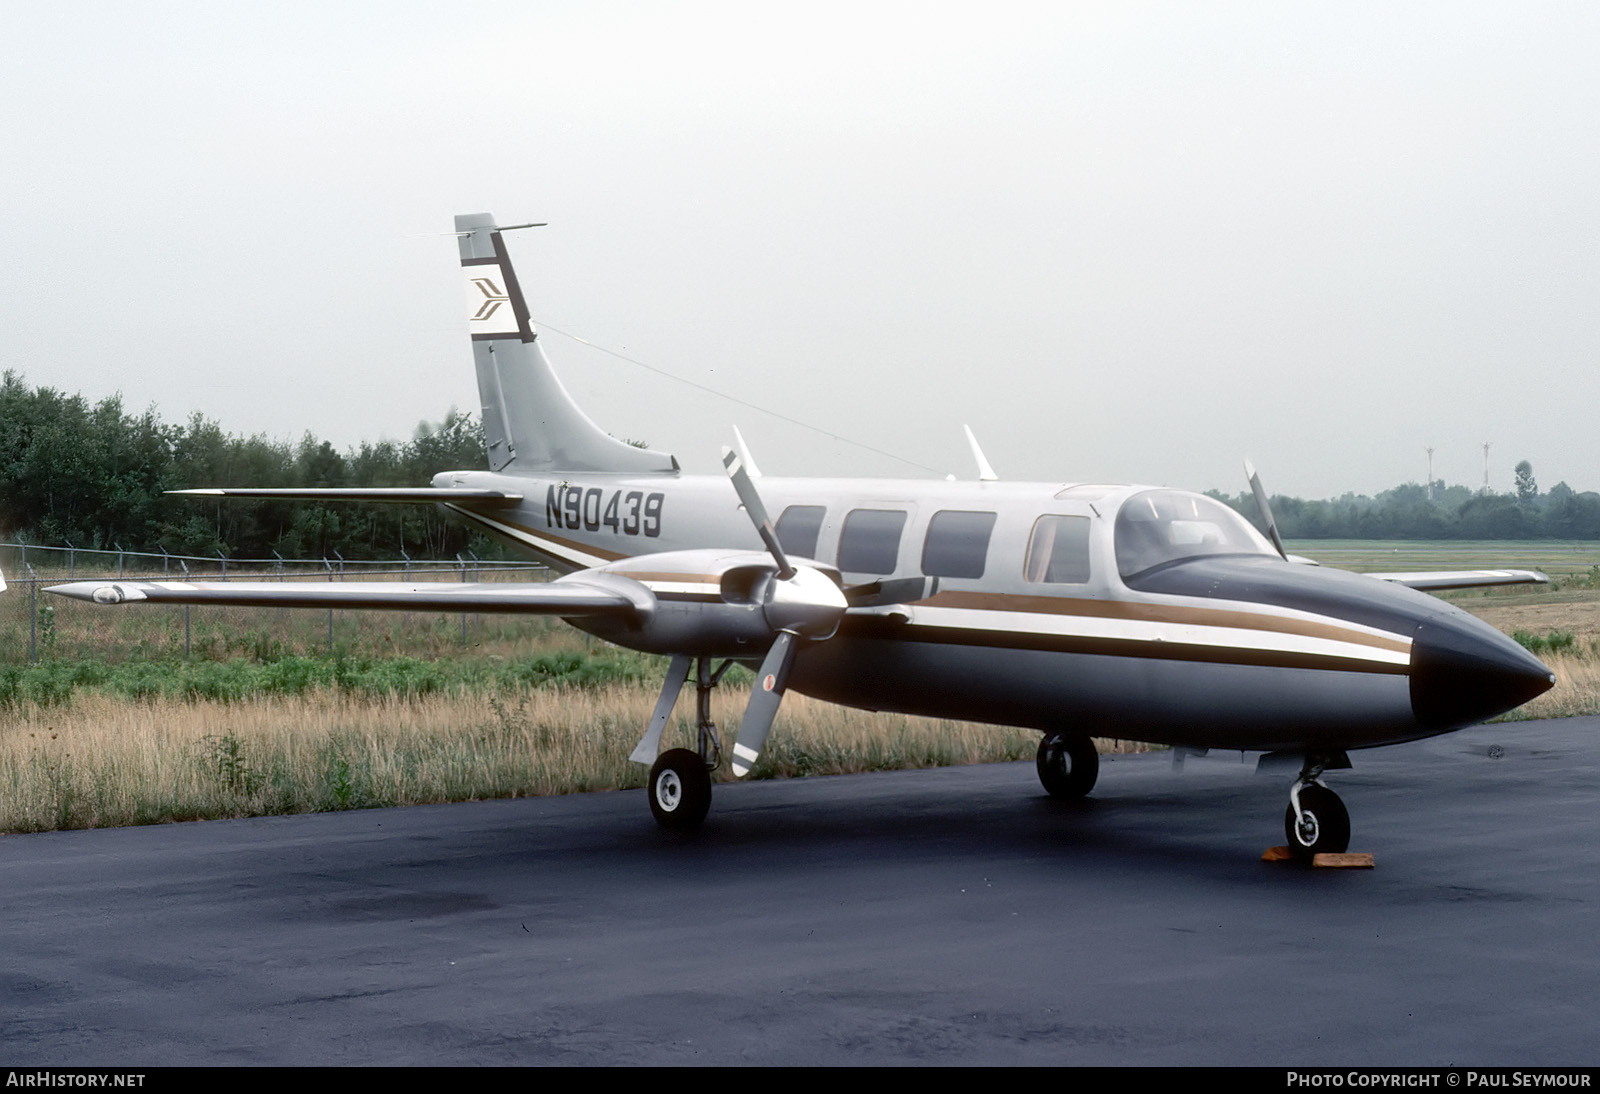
(1068, 765)
(680, 779)
(1316, 821)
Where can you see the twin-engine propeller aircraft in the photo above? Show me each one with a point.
(1077, 609)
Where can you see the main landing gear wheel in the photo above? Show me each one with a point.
(1068, 765)
(1324, 825)
(679, 789)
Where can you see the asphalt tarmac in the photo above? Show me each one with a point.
(954, 916)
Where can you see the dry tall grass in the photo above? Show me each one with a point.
(102, 761)
(1577, 689)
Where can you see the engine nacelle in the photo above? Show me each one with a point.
(715, 603)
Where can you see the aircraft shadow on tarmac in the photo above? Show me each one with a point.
(1170, 821)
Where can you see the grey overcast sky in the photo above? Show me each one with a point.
(1124, 241)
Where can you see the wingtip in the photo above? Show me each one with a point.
(77, 590)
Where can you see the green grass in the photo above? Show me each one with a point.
(1555, 557)
(57, 681)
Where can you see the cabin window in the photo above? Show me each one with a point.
(870, 541)
(1058, 551)
(798, 529)
(957, 543)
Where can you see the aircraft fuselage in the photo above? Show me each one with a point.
(1217, 643)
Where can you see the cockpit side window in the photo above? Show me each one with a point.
(798, 529)
(957, 543)
(870, 541)
(1058, 551)
(1161, 526)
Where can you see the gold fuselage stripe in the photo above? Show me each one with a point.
(1165, 613)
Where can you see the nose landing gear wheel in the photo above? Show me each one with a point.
(679, 789)
(1325, 827)
(1068, 765)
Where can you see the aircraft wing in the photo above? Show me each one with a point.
(414, 495)
(1464, 579)
(596, 595)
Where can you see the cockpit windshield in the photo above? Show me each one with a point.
(1160, 526)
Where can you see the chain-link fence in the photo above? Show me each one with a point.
(36, 626)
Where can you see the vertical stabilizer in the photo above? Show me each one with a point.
(530, 423)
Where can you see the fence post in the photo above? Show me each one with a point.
(463, 566)
(72, 552)
(329, 565)
(185, 566)
(476, 576)
(33, 615)
(224, 559)
(408, 576)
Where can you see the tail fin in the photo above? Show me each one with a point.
(530, 423)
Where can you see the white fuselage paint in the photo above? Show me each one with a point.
(1035, 645)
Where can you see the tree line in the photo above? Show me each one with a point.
(1452, 512)
(94, 476)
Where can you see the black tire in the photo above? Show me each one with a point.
(1327, 827)
(679, 789)
(1068, 765)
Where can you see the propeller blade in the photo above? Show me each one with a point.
(744, 454)
(757, 512)
(763, 705)
(1266, 510)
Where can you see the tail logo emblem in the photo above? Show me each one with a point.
(493, 298)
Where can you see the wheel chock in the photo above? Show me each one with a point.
(1344, 860)
(1347, 860)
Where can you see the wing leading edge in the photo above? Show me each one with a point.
(414, 495)
(594, 594)
(1463, 579)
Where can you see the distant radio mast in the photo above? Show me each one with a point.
(1430, 472)
(1486, 445)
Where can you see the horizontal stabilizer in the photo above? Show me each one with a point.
(1464, 579)
(411, 494)
(566, 597)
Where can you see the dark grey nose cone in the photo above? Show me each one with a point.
(1463, 671)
